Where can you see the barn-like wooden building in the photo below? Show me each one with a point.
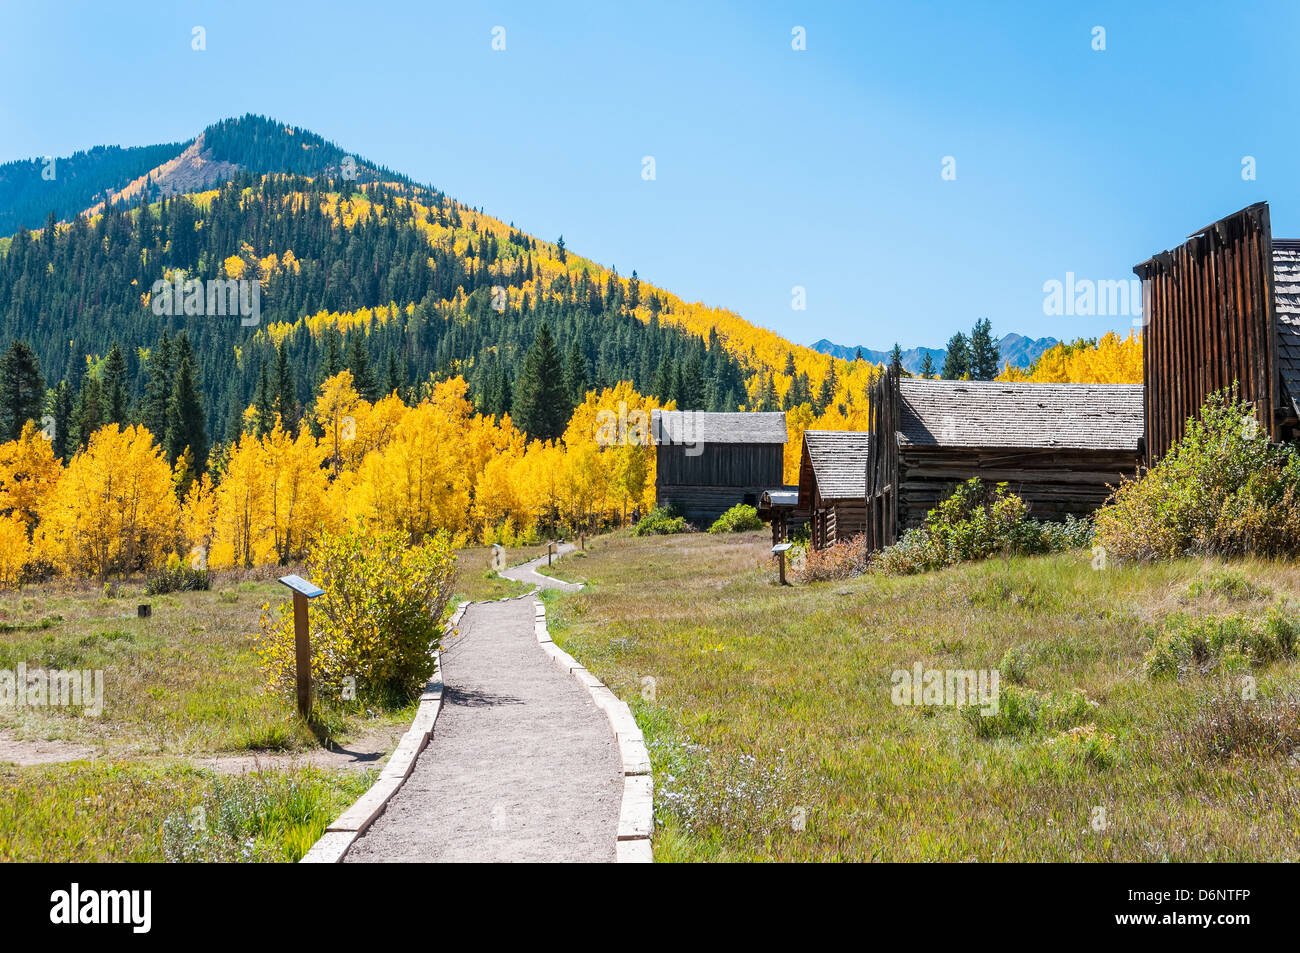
(706, 463)
(831, 486)
(1059, 446)
(1222, 307)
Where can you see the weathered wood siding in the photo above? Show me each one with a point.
(705, 486)
(1209, 322)
(1055, 483)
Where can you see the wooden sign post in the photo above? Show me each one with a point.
(302, 591)
(780, 550)
(550, 548)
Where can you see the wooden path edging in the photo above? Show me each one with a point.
(352, 823)
(636, 814)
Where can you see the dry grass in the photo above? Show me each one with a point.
(773, 734)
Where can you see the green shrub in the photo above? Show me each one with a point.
(1211, 644)
(979, 520)
(741, 518)
(177, 577)
(1230, 585)
(1024, 711)
(1221, 490)
(1015, 664)
(660, 521)
(1085, 745)
(379, 621)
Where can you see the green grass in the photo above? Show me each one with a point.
(773, 734)
(146, 812)
(184, 683)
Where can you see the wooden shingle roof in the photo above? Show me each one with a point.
(838, 463)
(944, 413)
(1286, 300)
(697, 426)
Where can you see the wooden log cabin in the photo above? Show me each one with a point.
(1222, 308)
(831, 485)
(706, 463)
(1060, 447)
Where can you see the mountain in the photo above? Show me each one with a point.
(1017, 349)
(357, 267)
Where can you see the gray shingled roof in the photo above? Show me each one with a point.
(1286, 298)
(997, 414)
(697, 426)
(839, 462)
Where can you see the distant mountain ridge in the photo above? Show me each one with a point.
(1016, 349)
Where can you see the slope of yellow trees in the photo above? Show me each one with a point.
(417, 469)
(1112, 360)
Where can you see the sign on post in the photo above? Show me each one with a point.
(780, 550)
(302, 591)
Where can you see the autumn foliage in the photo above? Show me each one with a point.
(355, 466)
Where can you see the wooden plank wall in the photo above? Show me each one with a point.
(721, 465)
(1209, 322)
(882, 463)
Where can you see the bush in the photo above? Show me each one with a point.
(1228, 724)
(379, 621)
(842, 560)
(1085, 745)
(1218, 644)
(1024, 711)
(1221, 490)
(741, 518)
(660, 521)
(177, 577)
(979, 520)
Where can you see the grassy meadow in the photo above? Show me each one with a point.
(773, 736)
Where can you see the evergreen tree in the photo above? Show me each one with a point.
(88, 414)
(896, 358)
(394, 374)
(983, 352)
(927, 365)
(22, 390)
(61, 411)
(575, 374)
(858, 356)
(956, 364)
(363, 375)
(541, 405)
(692, 392)
(158, 390)
(186, 422)
(663, 385)
(264, 404)
(115, 387)
(286, 393)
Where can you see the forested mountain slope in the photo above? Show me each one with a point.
(361, 268)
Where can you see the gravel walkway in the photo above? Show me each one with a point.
(521, 766)
(525, 572)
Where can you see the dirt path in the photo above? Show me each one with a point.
(521, 766)
(526, 572)
(365, 751)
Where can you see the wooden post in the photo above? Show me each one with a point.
(779, 550)
(302, 591)
(302, 654)
(550, 547)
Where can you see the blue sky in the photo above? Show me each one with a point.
(775, 168)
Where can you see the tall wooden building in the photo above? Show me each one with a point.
(1059, 446)
(831, 485)
(707, 463)
(1222, 307)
